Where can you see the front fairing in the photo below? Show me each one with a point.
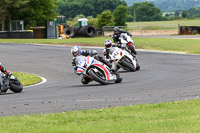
(116, 53)
(125, 38)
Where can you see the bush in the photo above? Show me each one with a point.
(93, 22)
(129, 18)
(105, 19)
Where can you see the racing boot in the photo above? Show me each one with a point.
(119, 79)
(85, 80)
(3, 89)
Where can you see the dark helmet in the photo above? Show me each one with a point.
(116, 29)
(108, 43)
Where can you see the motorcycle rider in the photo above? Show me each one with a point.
(109, 47)
(76, 51)
(3, 88)
(116, 34)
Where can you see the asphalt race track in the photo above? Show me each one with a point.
(163, 77)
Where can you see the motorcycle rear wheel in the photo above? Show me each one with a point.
(15, 85)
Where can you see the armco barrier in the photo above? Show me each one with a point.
(16, 35)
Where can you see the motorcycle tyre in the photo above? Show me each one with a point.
(15, 85)
(132, 49)
(130, 67)
(96, 78)
(138, 67)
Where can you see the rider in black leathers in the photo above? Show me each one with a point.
(116, 34)
(2, 87)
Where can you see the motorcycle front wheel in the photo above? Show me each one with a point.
(15, 85)
(132, 49)
(126, 63)
(97, 78)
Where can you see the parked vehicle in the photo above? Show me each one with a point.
(124, 59)
(10, 82)
(96, 70)
(127, 43)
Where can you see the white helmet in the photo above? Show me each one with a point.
(76, 51)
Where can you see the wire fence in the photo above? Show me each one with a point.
(144, 29)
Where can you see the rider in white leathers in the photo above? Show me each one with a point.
(76, 51)
(109, 48)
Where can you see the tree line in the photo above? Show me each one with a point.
(33, 12)
(101, 12)
(169, 5)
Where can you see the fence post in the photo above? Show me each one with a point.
(103, 30)
(179, 29)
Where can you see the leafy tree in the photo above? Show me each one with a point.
(169, 5)
(39, 12)
(194, 12)
(120, 15)
(167, 15)
(71, 8)
(9, 9)
(176, 13)
(105, 19)
(145, 11)
(130, 18)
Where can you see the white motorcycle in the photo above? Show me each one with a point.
(127, 43)
(96, 70)
(124, 59)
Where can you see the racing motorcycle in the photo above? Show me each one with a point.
(10, 82)
(127, 43)
(96, 70)
(124, 59)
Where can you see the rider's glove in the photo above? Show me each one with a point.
(73, 63)
(9, 74)
(92, 53)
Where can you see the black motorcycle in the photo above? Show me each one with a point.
(9, 82)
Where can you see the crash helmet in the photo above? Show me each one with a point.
(76, 51)
(108, 43)
(116, 29)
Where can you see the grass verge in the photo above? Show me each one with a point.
(152, 118)
(26, 78)
(183, 22)
(190, 46)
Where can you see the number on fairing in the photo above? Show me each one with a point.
(116, 53)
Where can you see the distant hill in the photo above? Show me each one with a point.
(170, 5)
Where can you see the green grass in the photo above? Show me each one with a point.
(91, 41)
(172, 117)
(183, 22)
(169, 117)
(27, 78)
(191, 46)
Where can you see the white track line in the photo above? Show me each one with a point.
(42, 82)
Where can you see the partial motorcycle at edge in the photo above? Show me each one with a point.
(10, 82)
